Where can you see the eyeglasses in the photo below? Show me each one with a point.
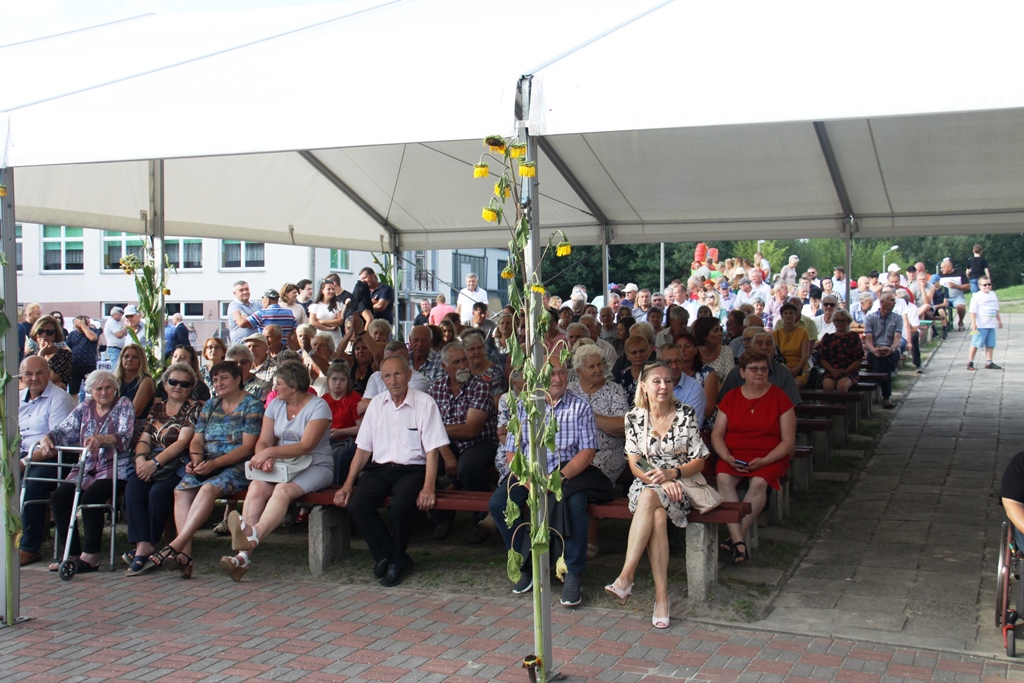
(829, 305)
(47, 333)
(758, 369)
(183, 383)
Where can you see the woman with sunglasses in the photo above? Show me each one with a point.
(187, 355)
(159, 463)
(47, 341)
(754, 437)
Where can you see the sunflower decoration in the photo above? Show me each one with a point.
(495, 143)
(517, 150)
(528, 169)
(508, 273)
(481, 170)
(563, 248)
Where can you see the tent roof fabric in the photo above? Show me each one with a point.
(353, 124)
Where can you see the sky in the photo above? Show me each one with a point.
(27, 19)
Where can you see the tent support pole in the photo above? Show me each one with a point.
(156, 227)
(541, 565)
(396, 258)
(850, 227)
(605, 259)
(10, 601)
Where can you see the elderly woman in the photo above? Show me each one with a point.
(637, 353)
(132, 371)
(304, 334)
(708, 334)
(214, 349)
(225, 436)
(794, 343)
(481, 366)
(46, 339)
(610, 404)
(840, 354)
(766, 318)
(103, 425)
(160, 457)
(187, 355)
(498, 344)
(663, 433)
(296, 423)
(318, 360)
(754, 437)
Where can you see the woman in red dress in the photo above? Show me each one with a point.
(754, 436)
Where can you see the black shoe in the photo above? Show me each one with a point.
(572, 592)
(442, 531)
(524, 584)
(992, 366)
(380, 569)
(396, 572)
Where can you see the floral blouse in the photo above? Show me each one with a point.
(164, 429)
(681, 444)
(224, 432)
(84, 422)
(609, 400)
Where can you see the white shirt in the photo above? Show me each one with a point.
(42, 415)
(824, 327)
(764, 291)
(403, 434)
(466, 299)
(985, 306)
(110, 327)
(324, 314)
(375, 385)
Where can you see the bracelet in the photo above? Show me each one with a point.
(679, 473)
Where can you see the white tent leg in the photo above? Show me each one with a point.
(156, 227)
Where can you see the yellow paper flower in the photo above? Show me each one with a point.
(528, 169)
(498, 192)
(537, 289)
(563, 248)
(167, 292)
(507, 274)
(497, 149)
(517, 150)
(480, 171)
(490, 214)
(560, 568)
(496, 143)
(3, 190)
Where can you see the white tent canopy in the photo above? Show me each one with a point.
(659, 121)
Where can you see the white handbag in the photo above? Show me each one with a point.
(283, 472)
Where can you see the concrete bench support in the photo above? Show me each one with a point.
(329, 537)
(701, 560)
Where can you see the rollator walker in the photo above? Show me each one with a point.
(1007, 583)
(67, 458)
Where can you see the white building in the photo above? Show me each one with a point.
(76, 271)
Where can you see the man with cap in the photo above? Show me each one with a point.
(240, 306)
(134, 319)
(746, 295)
(263, 366)
(115, 330)
(272, 313)
(789, 273)
(631, 291)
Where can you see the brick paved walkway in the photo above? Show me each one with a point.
(104, 627)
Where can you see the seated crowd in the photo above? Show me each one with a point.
(318, 390)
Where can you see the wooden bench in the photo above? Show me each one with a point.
(835, 413)
(818, 432)
(330, 530)
(852, 400)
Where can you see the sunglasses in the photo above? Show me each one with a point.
(829, 305)
(183, 383)
(986, 284)
(47, 333)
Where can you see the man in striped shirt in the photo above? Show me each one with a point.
(272, 313)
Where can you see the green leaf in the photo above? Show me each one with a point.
(514, 565)
(512, 512)
(550, 431)
(555, 483)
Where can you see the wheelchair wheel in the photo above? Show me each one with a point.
(68, 569)
(1003, 576)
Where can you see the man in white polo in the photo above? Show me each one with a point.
(469, 295)
(115, 331)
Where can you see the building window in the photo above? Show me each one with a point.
(239, 254)
(117, 245)
(339, 259)
(463, 265)
(188, 309)
(17, 246)
(62, 248)
(187, 254)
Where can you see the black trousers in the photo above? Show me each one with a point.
(61, 501)
(378, 481)
(149, 505)
(884, 364)
(476, 464)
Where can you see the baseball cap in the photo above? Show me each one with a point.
(256, 337)
(894, 268)
(116, 309)
(130, 310)
(631, 287)
(271, 294)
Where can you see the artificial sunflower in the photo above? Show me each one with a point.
(480, 171)
(563, 248)
(507, 274)
(528, 169)
(490, 214)
(499, 190)
(517, 150)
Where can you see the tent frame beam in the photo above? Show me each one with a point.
(314, 161)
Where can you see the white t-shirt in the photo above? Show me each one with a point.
(823, 327)
(985, 305)
(324, 314)
(466, 300)
(112, 326)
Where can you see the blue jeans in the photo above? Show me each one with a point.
(112, 353)
(579, 521)
(974, 287)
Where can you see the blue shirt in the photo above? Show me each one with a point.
(689, 392)
(577, 429)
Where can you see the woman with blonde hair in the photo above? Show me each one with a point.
(663, 445)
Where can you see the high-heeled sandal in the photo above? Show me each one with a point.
(740, 556)
(239, 539)
(659, 622)
(237, 566)
(621, 595)
(185, 565)
(166, 558)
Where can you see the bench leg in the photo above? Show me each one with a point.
(329, 537)
(800, 475)
(701, 559)
(839, 430)
(752, 538)
(822, 449)
(853, 414)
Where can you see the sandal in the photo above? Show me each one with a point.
(237, 566)
(139, 565)
(239, 539)
(128, 557)
(740, 556)
(166, 558)
(659, 622)
(185, 565)
(222, 528)
(84, 567)
(728, 547)
(621, 595)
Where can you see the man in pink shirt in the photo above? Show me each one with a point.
(439, 311)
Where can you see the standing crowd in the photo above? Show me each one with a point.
(313, 390)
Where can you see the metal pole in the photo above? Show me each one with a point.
(851, 225)
(156, 226)
(396, 257)
(605, 276)
(662, 289)
(531, 195)
(10, 600)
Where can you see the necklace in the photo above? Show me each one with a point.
(661, 425)
(752, 403)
